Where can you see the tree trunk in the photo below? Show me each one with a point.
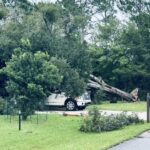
(98, 83)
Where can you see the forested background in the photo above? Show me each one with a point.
(56, 46)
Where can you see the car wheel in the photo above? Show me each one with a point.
(70, 105)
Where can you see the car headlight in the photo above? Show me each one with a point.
(78, 98)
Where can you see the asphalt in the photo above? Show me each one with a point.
(142, 142)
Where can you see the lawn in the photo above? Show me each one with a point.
(124, 106)
(60, 133)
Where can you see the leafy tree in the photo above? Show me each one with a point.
(106, 8)
(119, 52)
(134, 43)
(32, 77)
(133, 7)
(50, 14)
(44, 28)
(122, 52)
(3, 12)
(23, 4)
(106, 52)
(72, 84)
(137, 48)
(10, 36)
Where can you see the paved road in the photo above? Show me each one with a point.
(140, 143)
(141, 115)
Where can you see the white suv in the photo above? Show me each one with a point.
(60, 99)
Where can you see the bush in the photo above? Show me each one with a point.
(96, 122)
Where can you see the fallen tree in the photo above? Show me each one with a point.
(98, 83)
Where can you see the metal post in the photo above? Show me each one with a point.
(148, 107)
(19, 121)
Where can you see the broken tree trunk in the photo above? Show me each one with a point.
(98, 83)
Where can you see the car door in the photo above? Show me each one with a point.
(60, 99)
(56, 99)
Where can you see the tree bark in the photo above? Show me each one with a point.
(98, 83)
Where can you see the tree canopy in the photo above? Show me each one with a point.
(31, 79)
(70, 43)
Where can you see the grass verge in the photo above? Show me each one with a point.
(123, 106)
(60, 133)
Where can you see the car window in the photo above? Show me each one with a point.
(86, 96)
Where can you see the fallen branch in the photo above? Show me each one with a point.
(98, 83)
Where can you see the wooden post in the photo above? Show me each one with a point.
(148, 107)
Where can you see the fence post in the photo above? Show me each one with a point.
(19, 120)
(148, 107)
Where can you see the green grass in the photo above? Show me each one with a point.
(60, 133)
(124, 106)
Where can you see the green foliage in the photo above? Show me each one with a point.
(108, 31)
(25, 43)
(135, 38)
(133, 7)
(50, 11)
(32, 35)
(106, 52)
(3, 13)
(106, 8)
(74, 18)
(71, 84)
(32, 77)
(96, 122)
(10, 36)
(23, 4)
(119, 52)
(99, 97)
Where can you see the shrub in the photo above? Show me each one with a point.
(96, 122)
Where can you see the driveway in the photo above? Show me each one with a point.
(141, 115)
(142, 142)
